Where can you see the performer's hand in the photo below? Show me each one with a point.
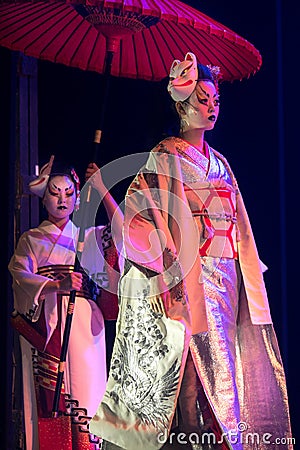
(71, 282)
(157, 305)
(94, 177)
(159, 302)
(91, 170)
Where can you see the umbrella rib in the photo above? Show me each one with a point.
(198, 20)
(45, 31)
(93, 48)
(18, 11)
(205, 49)
(225, 44)
(158, 50)
(173, 55)
(239, 59)
(41, 13)
(135, 55)
(55, 37)
(172, 25)
(182, 8)
(69, 38)
(149, 56)
(232, 52)
(121, 51)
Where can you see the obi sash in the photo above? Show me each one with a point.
(89, 289)
(212, 199)
(29, 329)
(214, 211)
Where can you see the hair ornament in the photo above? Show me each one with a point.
(215, 72)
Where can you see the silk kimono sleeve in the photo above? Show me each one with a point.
(27, 284)
(160, 234)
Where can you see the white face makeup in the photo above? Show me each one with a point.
(59, 198)
(202, 108)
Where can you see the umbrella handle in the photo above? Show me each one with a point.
(65, 342)
(107, 72)
(98, 134)
(64, 348)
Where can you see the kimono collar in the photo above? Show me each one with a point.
(190, 152)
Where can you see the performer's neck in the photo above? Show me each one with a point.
(60, 223)
(195, 137)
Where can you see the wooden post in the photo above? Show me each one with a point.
(23, 212)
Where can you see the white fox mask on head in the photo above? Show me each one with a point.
(38, 185)
(183, 77)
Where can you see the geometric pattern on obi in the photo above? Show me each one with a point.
(89, 289)
(214, 210)
(45, 368)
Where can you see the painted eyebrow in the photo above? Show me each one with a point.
(59, 189)
(206, 93)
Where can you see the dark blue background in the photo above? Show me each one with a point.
(257, 131)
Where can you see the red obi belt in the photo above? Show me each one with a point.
(214, 210)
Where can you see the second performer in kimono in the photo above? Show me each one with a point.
(43, 274)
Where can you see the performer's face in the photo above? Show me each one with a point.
(60, 198)
(202, 107)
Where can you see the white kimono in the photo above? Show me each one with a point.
(85, 369)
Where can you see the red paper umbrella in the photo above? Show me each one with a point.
(145, 36)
